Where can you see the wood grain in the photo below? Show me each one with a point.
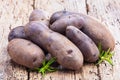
(16, 12)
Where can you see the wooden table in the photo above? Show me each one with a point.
(16, 12)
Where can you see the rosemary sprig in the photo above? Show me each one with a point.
(105, 55)
(46, 66)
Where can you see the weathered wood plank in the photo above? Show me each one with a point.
(57, 5)
(89, 71)
(108, 11)
(12, 13)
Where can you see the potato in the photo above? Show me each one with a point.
(39, 15)
(98, 32)
(90, 26)
(25, 53)
(66, 53)
(84, 43)
(69, 20)
(17, 32)
(57, 15)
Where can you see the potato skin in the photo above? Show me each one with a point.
(39, 15)
(17, 32)
(25, 53)
(57, 15)
(67, 54)
(68, 20)
(93, 28)
(84, 43)
(48, 57)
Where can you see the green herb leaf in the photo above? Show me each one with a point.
(105, 55)
(46, 66)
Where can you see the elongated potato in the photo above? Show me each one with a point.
(69, 20)
(39, 15)
(17, 32)
(25, 53)
(98, 32)
(84, 43)
(90, 26)
(66, 53)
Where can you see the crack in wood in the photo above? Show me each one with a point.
(10, 27)
(28, 73)
(50, 78)
(74, 76)
(87, 7)
(33, 5)
(98, 70)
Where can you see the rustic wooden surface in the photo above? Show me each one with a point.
(16, 12)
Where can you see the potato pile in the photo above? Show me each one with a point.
(72, 38)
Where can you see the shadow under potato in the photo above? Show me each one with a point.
(15, 65)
